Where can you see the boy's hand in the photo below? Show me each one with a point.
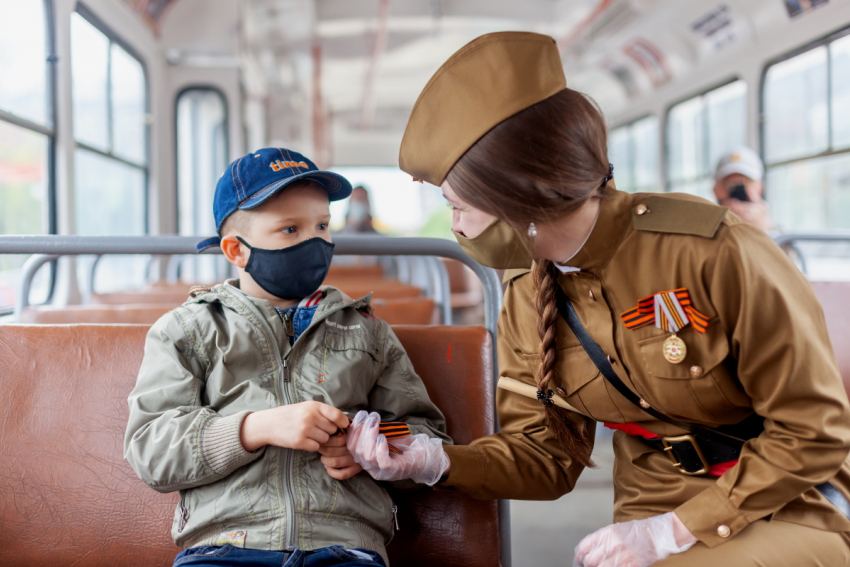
(305, 426)
(338, 462)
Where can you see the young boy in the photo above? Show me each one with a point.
(245, 388)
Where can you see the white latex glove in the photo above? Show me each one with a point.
(422, 460)
(638, 543)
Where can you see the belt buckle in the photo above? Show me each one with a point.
(668, 448)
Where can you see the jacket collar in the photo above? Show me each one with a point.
(611, 225)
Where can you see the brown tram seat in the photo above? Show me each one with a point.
(142, 296)
(176, 294)
(835, 299)
(98, 314)
(356, 271)
(381, 289)
(416, 311)
(67, 497)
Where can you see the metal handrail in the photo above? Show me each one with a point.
(54, 246)
(786, 242)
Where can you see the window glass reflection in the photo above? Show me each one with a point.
(89, 67)
(795, 107)
(23, 204)
(839, 53)
(128, 106)
(202, 157)
(686, 140)
(23, 60)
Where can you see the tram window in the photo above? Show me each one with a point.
(202, 148)
(796, 121)
(109, 91)
(699, 131)
(90, 77)
(26, 139)
(110, 163)
(128, 106)
(807, 138)
(839, 80)
(633, 149)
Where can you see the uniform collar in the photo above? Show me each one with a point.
(605, 237)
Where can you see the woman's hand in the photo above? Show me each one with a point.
(422, 459)
(638, 543)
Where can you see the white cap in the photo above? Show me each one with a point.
(741, 160)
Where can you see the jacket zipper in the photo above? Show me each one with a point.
(285, 379)
(184, 514)
(394, 511)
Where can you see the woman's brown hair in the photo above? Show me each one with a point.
(541, 164)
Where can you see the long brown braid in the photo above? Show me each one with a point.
(572, 436)
(541, 164)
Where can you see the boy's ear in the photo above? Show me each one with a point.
(235, 252)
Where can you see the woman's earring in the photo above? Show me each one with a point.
(532, 230)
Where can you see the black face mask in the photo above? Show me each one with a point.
(291, 273)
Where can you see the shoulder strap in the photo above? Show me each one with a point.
(594, 351)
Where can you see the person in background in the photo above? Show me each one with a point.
(359, 216)
(738, 185)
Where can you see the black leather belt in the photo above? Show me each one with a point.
(693, 454)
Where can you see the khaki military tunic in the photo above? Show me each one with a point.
(765, 348)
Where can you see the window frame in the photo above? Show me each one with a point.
(660, 163)
(823, 41)
(49, 133)
(226, 121)
(668, 182)
(92, 18)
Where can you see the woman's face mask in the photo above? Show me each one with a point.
(291, 273)
(498, 246)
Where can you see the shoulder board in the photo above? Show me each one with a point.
(680, 214)
(514, 273)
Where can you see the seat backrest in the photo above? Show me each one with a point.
(416, 311)
(449, 528)
(356, 271)
(67, 497)
(142, 296)
(835, 299)
(381, 289)
(99, 314)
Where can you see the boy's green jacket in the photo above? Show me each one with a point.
(223, 354)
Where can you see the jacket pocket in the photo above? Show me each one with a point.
(577, 380)
(341, 339)
(700, 388)
(705, 352)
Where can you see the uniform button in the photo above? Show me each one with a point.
(610, 360)
(696, 371)
(590, 292)
(562, 392)
(723, 530)
(644, 404)
(641, 209)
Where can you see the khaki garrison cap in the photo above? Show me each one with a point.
(487, 81)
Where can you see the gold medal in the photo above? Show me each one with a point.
(675, 349)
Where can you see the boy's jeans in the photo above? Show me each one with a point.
(229, 556)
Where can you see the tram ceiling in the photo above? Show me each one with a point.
(362, 63)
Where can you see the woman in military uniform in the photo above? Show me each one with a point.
(661, 316)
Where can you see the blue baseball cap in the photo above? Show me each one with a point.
(253, 178)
